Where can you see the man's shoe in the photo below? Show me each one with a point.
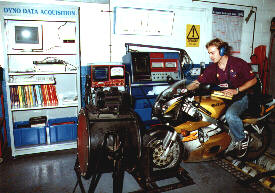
(231, 146)
(243, 145)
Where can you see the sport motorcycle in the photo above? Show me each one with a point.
(192, 126)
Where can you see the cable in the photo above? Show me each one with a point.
(269, 61)
(110, 34)
(254, 27)
(58, 37)
(225, 3)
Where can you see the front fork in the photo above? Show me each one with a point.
(168, 141)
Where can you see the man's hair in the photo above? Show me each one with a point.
(219, 43)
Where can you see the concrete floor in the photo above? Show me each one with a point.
(54, 173)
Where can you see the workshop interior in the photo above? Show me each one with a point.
(92, 96)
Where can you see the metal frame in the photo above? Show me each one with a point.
(43, 147)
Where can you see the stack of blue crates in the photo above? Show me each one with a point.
(60, 130)
(63, 129)
(143, 102)
(25, 135)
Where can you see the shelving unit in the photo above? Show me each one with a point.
(42, 82)
(3, 131)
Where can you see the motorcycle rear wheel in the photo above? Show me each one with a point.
(154, 140)
(259, 142)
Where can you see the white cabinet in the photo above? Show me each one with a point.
(42, 76)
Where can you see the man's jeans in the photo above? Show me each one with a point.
(232, 116)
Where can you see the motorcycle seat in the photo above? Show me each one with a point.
(254, 105)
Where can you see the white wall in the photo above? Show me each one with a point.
(188, 12)
(96, 27)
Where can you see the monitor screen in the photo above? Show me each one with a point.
(171, 64)
(100, 73)
(26, 35)
(117, 72)
(157, 64)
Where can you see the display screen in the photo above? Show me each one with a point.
(100, 73)
(26, 35)
(117, 72)
(157, 64)
(171, 64)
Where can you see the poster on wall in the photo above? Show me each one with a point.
(139, 21)
(227, 25)
(192, 35)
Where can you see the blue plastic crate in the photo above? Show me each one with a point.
(63, 129)
(24, 135)
(145, 114)
(144, 103)
(141, 91)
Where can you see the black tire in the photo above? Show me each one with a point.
(258, 142)
(153, 139)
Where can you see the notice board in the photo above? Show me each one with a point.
(227, 25)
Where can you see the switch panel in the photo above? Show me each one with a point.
(196, 71)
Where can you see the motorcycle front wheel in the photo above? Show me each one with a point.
(154, 140)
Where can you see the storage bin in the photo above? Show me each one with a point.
(25, 135)
(63, 129)
(144, 103)
(141, 91)
(144, 114)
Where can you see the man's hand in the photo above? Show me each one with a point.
(230, 92)
(193, 85)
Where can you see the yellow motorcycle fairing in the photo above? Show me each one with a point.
(210, 149)
(172, 104)
(215, 144)
(216, 106)
(191, 126)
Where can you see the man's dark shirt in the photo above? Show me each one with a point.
(239, 70)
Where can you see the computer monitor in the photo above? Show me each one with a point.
(24, 35)
(100, 73)
(107, 75)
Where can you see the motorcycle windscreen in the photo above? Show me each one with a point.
(171, 90)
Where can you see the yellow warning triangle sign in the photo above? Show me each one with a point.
(193, 33)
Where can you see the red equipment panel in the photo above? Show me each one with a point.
(107, 75)
(164, 65)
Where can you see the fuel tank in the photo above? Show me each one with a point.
(214, 105)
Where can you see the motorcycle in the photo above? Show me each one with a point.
(193, 128)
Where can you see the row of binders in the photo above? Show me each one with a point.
(33, 96)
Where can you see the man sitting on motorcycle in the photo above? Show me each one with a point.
(234, 77)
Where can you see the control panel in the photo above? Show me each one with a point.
(152, 66)
(164, 65)
(107, 75)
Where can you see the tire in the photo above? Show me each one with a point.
(153, 139)
(258, 142)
